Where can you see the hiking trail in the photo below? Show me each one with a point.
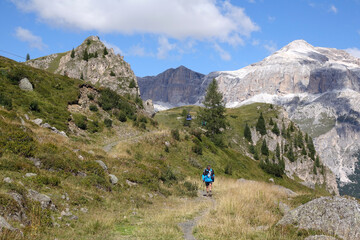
(187, 227)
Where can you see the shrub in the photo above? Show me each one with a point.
(15, 75)
(34, 106)
(53, 181)
(91, 96)
(17, 141)
(272, 168)
(112, 74)
(260, 126)
(217, 139)
(132, 84)
(122, 117)
(197, 133)
(108, 123)
(264, 148)
(167, 149)
(247, 133)
(197, 149)
(80, 121)
(93, 108)
(276, 130)
(175, 134)
(143, 119)
(5, 101)
(228, 169)
(93, 126)
(105, 51)
(143, 126)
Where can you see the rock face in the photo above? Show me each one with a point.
(106, 70)
(332, 215)
(320, 90)
(178, 86)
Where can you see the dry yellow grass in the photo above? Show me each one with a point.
(242, 211)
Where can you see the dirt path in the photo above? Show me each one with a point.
(188, 226)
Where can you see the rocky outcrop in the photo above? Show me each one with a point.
(90, 62)
(25, 85)
(174, 86)
(332, 215)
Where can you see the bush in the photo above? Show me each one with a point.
(34, 106)
(16, 74)
(175, 134)
(272, 168)
(228, 169)
(132, 84)
(197, 149)
(18, 142)
(93, 126)
(111, 100)
(112, 74)
(247, 133)
(264, 148)
(166, 149)
(143, 119)
(5, 101)
(197, 133)
(217, 139)
(122, 117)
(80, 121)
(143, 126)
(91, 96)
(108, 123)
(93, 108)
(53, 181)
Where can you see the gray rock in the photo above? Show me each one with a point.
(320, 237)
(30, 175)
(289, 192)
(81, 157)
(66, 213)
(43, 199)
(84, 210)
(25, 85)
(150, 195)
(46, 125)
(37, 121)
(167, 144)
(271, 180)
(26, 117)
(113, 179)
(332, 215)
(284, 208)
(5, 224)
(8, 180)
(102, 164)
(36, 161)
(130, 183)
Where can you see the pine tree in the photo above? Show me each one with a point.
(283, 130)
(260, 126)
(252, 149)
(290, 153)
(303, 151)
(213, 112)
(306, 137)
(282, 164)
(27, 57)
(264, 148)
(300, 140)
(82, 76)
(256, 155)
(105, 51)
(271, 122)
(247, 133)
(276, 129)
(72, 53)
(86, 55)
(314, 170)
(317, 161)
(311, 148)
(277, 150)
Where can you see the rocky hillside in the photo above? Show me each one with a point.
(94, 63)
(176, 87)
(319, 87)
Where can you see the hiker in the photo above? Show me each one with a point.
(208, 177)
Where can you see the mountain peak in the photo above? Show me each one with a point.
(92, 38)
(298, 45)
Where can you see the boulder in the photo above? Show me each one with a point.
(130, 183)
(37, 121)
(8, 180)
(102, 164)
(43, 199)
(30, 175)
(332, 215)
(113, 179)
(25, 85)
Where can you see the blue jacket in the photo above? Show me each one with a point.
(208, 175)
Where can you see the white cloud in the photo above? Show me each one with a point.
(138, 50)
(164, 47)
(117, 50)
(224, 55)
(178, 19)
(354, 51)
(271, 47)
(27, 36)
(333, 9)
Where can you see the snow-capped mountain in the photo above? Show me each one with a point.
(319, 88)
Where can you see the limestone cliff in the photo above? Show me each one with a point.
(94, 63)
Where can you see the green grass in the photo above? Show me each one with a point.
(54, 65)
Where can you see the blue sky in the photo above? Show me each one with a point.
(154, 35)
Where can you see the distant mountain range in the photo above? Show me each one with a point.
(319, 87)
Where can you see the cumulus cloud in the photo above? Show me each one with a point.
(117, 50)
(177, 19)
(354, 51)
(333, 9)
(138, 50)
(27, 36)
(224, 55)
(164, 47)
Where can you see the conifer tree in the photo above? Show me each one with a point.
(282, 164)
(290, 153)
(247, 133)
(271, 122)
(213, 112)
(86, 55)
(283, 130)
(105, 51)
(311, 148)
(256, 155)
(317, 161)
(264, 148)
(277, 150)
(314, 169)
(72, 55)
(27, 57)
(260, 125)
(276, 129)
